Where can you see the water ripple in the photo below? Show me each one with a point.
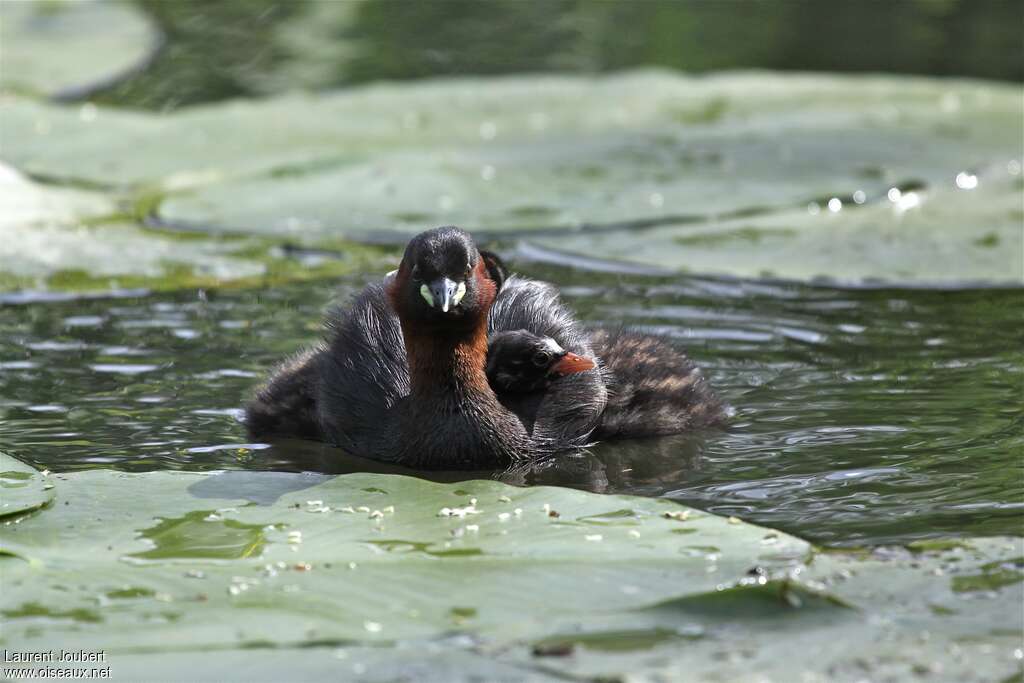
(862, 416)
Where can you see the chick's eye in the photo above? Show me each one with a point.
(541, 358)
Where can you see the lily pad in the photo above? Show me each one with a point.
(55, 236)
(888, 615)
(385, 577)
(942, 233)
(557, 156)
(22, 488)
(66, 49)
(75, 239)
(91, 257)
(702, 140)
(54, 232)
(749, 174)
(28, 204)
(301, 571)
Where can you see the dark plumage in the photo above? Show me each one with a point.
(401, 376)
(653, 388)
(520, 362)
(286, 405)
(520, 369)
(404, 374)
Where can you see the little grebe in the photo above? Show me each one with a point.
(653, 388)
(401, 376)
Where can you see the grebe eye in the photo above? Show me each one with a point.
(415, 274)
(541, 358)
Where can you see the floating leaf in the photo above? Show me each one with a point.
(309, 568)
(22, 489)
(558, 156)
(28, 205)
(790, 176)
(303, 567)
(73, 239)
(934, 235)
(66, 48)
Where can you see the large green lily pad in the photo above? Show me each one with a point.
(85, 258)
(27, 204)
(649, 130)
(22, 489)
(730, 164)
(55, 235)
(911, 619)
(416, 574)
(653, 164)
(63, 48)
(940, 234)
(378, 577)
(81, 240)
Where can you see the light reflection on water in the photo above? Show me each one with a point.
(862, 416)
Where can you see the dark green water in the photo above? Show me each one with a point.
(863, 416)
(217, 49)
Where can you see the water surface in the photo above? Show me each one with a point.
(862, 416)
(221, 50)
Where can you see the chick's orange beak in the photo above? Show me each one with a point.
(570, 364)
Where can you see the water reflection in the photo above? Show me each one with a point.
(306, 44)
(863, 416)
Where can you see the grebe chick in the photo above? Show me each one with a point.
(522, 362)
(653, 388)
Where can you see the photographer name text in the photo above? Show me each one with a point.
(54, 656)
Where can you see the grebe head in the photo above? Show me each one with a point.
(444, 280)
(523, 362)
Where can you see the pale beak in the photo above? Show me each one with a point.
(443, 293)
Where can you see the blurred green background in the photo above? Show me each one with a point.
(227, 48)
